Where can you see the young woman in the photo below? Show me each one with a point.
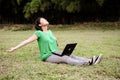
(47, 45)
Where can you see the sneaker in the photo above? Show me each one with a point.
(92, 60)
(98, 59)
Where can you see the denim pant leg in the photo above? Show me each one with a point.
(81, 58)
(66, 59)
(56, 59)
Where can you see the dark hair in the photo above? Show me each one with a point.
(37, 22)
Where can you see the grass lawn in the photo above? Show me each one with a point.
(24, 63)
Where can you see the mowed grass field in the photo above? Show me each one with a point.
(25, 64)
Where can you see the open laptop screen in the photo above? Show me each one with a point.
(67, 50)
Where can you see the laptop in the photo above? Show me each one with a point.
(67, 50)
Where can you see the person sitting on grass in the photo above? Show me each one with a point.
(47, 45)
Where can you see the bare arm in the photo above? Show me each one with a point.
(29, 40)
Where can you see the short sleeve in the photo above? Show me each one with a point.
(51, 32)
(38, 33)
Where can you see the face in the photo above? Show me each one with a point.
(43, 22)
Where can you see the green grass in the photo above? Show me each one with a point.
(24, 63)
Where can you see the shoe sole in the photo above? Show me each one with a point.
(93, 60)
(98, 59)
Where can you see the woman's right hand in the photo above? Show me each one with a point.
(29, 40)
(11, 49)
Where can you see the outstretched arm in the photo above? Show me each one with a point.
(29, 40)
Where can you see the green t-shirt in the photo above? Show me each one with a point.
(47, 44)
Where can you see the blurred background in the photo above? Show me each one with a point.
(59, 11)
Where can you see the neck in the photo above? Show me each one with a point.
(45, 28)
